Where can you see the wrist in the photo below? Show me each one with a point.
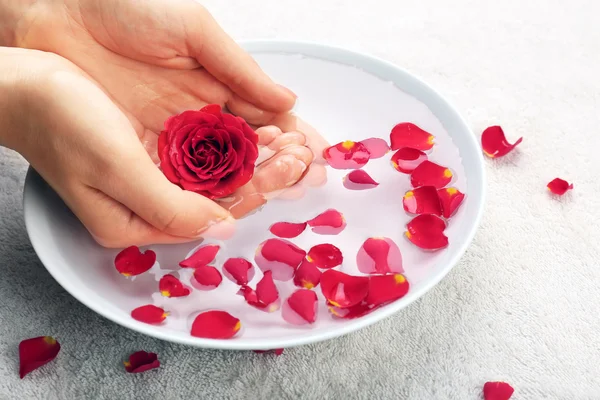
(13, 17)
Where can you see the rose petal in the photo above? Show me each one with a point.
(355, 311)
(359, 180)
(330, 222)
(422, 200)
(347, 155)
(208, 277)
(203, 256)
(280, 256)
(343, 290)
(287, 230)
(214, 109)
(377, 147)
(170, 286)
(430, 174)
(559, 186)
(497, 391)
(427, 232)
(265, 297)
(325, 256)
(215, 325)
(149, 314)
(379, 255)
(301, 307)
(494, 142)
(131, 261)
(277, 352)
(450, 200)
(384, 289)
(410, 135)
(141, 361)
(307, 275)
(238, 270)
(405, 160)
(35, 352)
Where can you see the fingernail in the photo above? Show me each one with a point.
(288, 91)
(221, 230)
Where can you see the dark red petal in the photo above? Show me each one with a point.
(355, 311)
(203, 256)
(410, 135)
(170, 286)
(141, 361)
(277, 352)
(35, 352)
(427, 232)
(379, 255)
(494, 142)
(329, 222)
(287, 230)
(343, 290)
(325, 256)
(405, 160)
(430, 174)
(301, 307)
(215, 325)
(280, 256)
(359, 180)
(307, 275)
(208, 276)
(347, 155)
(559, 186)
(384, 289)
(422, 200)
(265, 297)
(214, 109)
(131, 261)
(238, 270)
(450, 199)
(497, 391)
(377, 147)
(149, 314)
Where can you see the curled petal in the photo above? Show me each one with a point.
(265, 297)
(347, 155)
(215, 325)
(287, 230)
(405, 160)
(343, 290)
(494, 142)
(301, 307)
(450, 199)
(208, 277)
(384, 289)
(355, 311)
(170, 286)
(203, 256)
(141, 361)
(422, 200)
(430, 174)
(280, 256)
(359, 180)
(149, 314)
(377, 147)
(35, 352)
(410, 135)
(325, 256)
(329, 222)
(379, 255)
(559, 186)
(497, 391)
(238, 270)
(131, 261)
(307, 275)
(427, 232)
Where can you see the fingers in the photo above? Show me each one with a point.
(290, 122)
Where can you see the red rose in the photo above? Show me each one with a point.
(207, 151)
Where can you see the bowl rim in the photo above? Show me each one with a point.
(476, 194)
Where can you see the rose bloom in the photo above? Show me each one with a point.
(207, 151)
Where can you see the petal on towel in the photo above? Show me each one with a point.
(141, 361)
(35, 352)
(325, 256)
(559, 186)
(215, 325)
(347, 155)
(307, 275)
(450, 200)
(131, 261)
(410, 135)
(343, 290)
(494, 143)
(149, 314)
(497, 391)
(287, 230)
(238, 270)
(359, 180)
(430, 174)
(277, 352)
(422, 200)
(329, 222)
(405, 160)
(203, 256)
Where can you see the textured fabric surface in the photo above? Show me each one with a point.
(522, 305)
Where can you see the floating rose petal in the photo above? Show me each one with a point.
(325, 256)
(377, 147)
(497, 391)
(287, 230)
(141, 361)
(301, 307)
(430, 174)
(379, 255)
(559, 186)
(280, 256)
(347, 155)
(307, 275)
(422, 200)
(35, 352)
(277, 352)
(384, 289)
(494, 142)
(427, 232)
(238, 270)
(406, 159)
(265, 297)
(355, 311)
(131, 261)
(450, 199)
(330, 222)
(410, 135)
(359, 180)
(149, 314)
(208, 277)
(215, 325)
(343, 290)
(203, 256)
(170, 286)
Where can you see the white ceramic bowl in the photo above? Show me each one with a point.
(345, 95)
